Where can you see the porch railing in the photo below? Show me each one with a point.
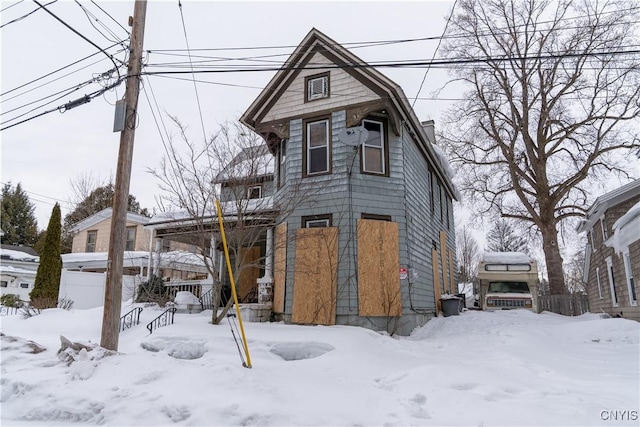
(8, 311)
(166, 318)
(130, 319)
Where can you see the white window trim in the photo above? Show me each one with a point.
(323, 94)
(308, 223)
(598, 280)
(628, 272)
(381, 148)
(309, 124)
(612, 286)
(250, 190)
(603, 227)
(593, 240)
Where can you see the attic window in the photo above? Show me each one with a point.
(317, 86)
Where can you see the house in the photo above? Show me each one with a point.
(612, 253)
(18, 268)
(366, 236)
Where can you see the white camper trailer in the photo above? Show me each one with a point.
(508, 280)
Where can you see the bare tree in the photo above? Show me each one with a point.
(553, 99)
(468, 254)
(575, 273)
(227, 167)
(503, 238)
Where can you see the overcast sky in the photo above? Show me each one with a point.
(46, 153)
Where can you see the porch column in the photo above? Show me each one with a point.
(265, 283)
(212, 255)
(151, 237)
(156, 259)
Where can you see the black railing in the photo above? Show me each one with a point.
(206, 300)
(8, 311)
(166, 318)
(130, 319)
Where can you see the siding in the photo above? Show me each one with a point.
(344, 90)
(103, 236)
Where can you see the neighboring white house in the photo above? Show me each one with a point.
(18, 268)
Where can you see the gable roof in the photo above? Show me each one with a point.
(105, 214)
(607, 200)
(252, 162)
(392, 95)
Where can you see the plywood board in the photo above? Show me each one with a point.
(249, 273)
(436, 279)
(280, 268)
(315, 276)
(378, 269)
(452, 275)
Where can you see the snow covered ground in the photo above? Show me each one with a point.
(503, 368)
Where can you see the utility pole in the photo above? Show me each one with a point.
(117, 240)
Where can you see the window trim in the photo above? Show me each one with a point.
(307, 219)
(593, 240)
(598, 281)
(135, 235)
(612, 282)
(603, 226)
(305, 151)
(251, 188)
(628, 272)
(385, 149)
(327, 89)
(282, 162)
(90, 233)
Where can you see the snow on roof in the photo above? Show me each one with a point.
(18, 255)
(506, 258)
(166, 258)
(251, 162)
(444, 162)
(106, 214)
(626, 230)
(100, 256)
(11, 270)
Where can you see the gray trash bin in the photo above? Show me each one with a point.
(450, 306)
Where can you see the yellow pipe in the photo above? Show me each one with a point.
(233, 284)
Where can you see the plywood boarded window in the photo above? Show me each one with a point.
(316, 276)
(249, 273)
(378, 269)
(280, 268)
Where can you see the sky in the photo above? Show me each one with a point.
(506, 368)
(47, 153)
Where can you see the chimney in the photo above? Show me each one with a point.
(429, 128)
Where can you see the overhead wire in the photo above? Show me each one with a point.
(90, 16)
(195, 86)
(11, 5)
(81, 36)
(28, 14)
(112, 18)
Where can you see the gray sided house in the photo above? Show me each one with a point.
(612, 253)
(365, 231)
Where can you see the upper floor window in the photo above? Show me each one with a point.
(254, 192)
(317, 86)
(91, 241)
(24, 285)
(612, 282)
(375, 217)
(373, 149)
(166, 245)
(603, 225)
(631, 284)
(282, 162)
(315, 221)
(317, 148)
(131, 239)
(4, 284)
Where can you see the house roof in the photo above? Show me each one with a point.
(106, 214)
(251, 162)
(394, 98)
(26, 249)
(607, 200)
(174, 259)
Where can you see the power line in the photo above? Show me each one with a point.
(53, 72)
(82, 36)
(10, 6)
(24, 16)
(90, 15)
(112, 18)
(195, 87)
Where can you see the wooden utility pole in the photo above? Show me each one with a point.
(118, 238)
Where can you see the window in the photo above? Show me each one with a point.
(317, 147)
(254, 192)
(631, 286)
(24, 285)
(313, 221)
(433, 192)
(166, 245)
(446, 201)
(317, 86)
(440, 198)
(91, 241)
(131, 239)
(603, 225)
(598, 280)
(376, 217)
(612, 283)
(592, 240)
(4, 284)
(373, 149)
(282, 165)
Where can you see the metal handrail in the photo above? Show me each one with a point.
(130, 319)
(206, 301)
(166, 318)
(7, 311)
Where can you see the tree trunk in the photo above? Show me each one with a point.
(553, 260)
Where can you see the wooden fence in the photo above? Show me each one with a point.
(568, 305)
